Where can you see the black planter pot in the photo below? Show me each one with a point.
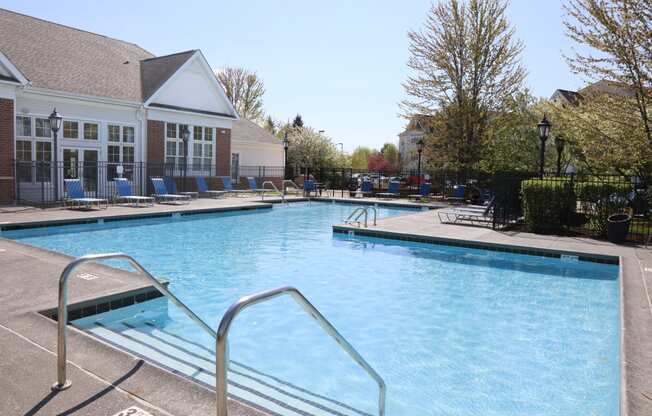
(618, 227)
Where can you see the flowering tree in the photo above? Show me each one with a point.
(378, 163)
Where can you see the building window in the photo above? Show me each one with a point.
(23, 126)
(24, 159)
(127, 134)
(171, 130)
(208, 134)
(70, 129)
(113, 154)
(114, 133)
(43, 159)
(197, 133)
(42, 128)
(170, 152)
(90, 131)
(128, 154)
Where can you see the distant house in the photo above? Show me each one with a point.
(407, 144)
(254, 151)
(574, 98)
(121, 106)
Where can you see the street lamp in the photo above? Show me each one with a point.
(420, 145)
(559, 144)
(286, 144)
(544, 132)
(185, 134)
(55, 124)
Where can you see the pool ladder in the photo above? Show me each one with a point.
(354, 218)
(273, 188)
(221, 335)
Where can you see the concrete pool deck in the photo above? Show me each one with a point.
(107, 380)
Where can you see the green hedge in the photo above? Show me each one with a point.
(599, 199)
(547, 204)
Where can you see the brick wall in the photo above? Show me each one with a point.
(155, 141)
(6, 150)
(223, 152)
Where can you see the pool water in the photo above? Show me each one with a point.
(453, 331)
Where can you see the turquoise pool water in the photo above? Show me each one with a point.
(453, 331)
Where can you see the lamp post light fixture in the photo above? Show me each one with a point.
(55, 124)
(420, 145)
(185, 135)
(560, 143)
(544, 132)
(286, 144)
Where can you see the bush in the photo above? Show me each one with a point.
(599, 199)
(547, 204)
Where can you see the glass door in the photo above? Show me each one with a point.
(90, 166)
(82, 164)
(235, 166)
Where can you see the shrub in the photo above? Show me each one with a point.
(547, 204)
(599, 199)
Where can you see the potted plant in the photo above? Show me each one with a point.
(618, 227)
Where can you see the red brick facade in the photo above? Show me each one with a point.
(6, 150)
(155, 141)
(223, 152)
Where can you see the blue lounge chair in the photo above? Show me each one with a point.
(171, 185)
(77, 197)
(203, 189)
(424, 192)
(125, 194)
(309, 187)
(392, 191)
(366, 189)
(459, 193)
(228, 187)
(161, 193)
(253, 186)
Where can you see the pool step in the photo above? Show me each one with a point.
(180, 356)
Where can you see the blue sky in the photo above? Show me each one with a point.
(339, 63)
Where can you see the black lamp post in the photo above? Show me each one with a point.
(544, 132)
(286, 144)
(185, 134)
(55, 124)
(420, 145)
(559, 144)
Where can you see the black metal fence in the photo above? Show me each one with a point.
(576, 204)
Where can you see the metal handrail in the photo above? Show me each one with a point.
(221, 353)
(62, 383)
(274, 188)
(290, 182)
(360, 211)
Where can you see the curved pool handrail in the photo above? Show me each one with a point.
(62, 383)
(221, 354)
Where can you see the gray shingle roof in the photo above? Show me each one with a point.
(62, 58)
(248, 131)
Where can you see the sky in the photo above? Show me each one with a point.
(338, 63)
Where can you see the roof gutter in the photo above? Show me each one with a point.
(81, 97)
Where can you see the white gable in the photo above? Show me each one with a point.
(191, 88)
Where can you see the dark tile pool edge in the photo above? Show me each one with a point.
(388, 203)
(125, 217)
(106, 303)
(540, 252)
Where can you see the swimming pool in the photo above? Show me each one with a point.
(452, 330)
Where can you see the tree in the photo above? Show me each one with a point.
(245, 90)
(621, 34)
(269, 125)
(360, 158)
(465, 64)
(308, 148)
(390, 153)
(298, 121)
(378, 163)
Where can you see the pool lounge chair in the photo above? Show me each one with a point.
(125, 194)
(459, 193)
(253, 186)
(424, 193)
(309, 187)
(77, 197)
(392, 191)
(203, 189)
(228, 187)
(162, 196)
(470, 215)
(171, 185)
(366, 189)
